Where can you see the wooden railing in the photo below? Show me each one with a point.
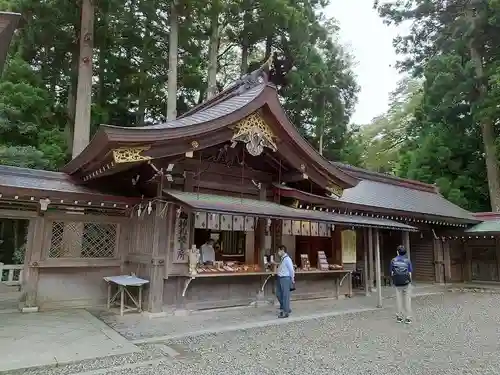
(11, 274)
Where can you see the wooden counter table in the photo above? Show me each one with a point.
(216, 289)
(225, 289)
(322, 284)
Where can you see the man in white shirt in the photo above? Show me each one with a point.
(207, 251)
(285, 279)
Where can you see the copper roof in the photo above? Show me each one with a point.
(244, 206)
(8, 24)
(204, 115)
(46, 184)
(486, 227)
(388, 192)
(211, 119)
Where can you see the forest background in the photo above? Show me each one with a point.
(441, 127)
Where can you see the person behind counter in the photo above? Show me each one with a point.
(207, 251)
(284, 282)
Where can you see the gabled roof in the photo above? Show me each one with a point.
(389, 192)
(489, 226)
(8, 24)
(208, 125)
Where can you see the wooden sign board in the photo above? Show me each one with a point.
(238, 223)
(213, 221)
(323, 230)
(306, 228)
(287, 227)
(200, 220)
(249, 223)
(348, 246)
(314, 229)
(296, 228)
(226, 222)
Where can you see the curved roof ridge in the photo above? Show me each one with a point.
(383, 177)
(243, 83)
(221, 108)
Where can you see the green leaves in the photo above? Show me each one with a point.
(454, 47)
(131, 41)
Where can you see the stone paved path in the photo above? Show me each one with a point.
(56, 338)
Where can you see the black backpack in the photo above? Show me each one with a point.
(400, 272)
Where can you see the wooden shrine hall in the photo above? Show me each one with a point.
(234, 171)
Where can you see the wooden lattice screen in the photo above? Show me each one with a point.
(83, 240)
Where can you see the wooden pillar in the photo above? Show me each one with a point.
(437, 246)
(468, 262)
(365, 259)
(189, 187)
(497, 255)
(370, 259)
(378, 270)
(261, 229)
(447, 261)
(406, 243)
(276, 229)
(36, 235)
(157, 267)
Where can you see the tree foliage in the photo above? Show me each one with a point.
(444, 132)
(131, 43)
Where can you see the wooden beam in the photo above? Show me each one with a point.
(17, 214)
(292, 177)
(194, 165)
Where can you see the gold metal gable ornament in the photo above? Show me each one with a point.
(255, 133)
(335, 190)
(130, 154)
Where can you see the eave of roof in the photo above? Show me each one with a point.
(486, 227)
(243, 206)
(56, 186)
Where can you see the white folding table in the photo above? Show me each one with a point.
(124, 284)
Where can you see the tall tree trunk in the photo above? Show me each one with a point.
(269, 47)
(213, 51)
(244, 56)
(71, 100)
(245, 41)
(173, 50)
(488, 135)
(321, 127)
(84, 90)
(487, 130)
(142, 94)
(103, 52)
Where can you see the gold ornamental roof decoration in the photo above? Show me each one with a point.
(255, 133)
(335, 190)
(130, 154)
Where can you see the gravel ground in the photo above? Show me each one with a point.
(457, 333)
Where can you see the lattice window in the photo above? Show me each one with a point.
(82, 240)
